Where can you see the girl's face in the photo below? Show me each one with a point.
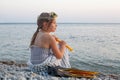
(52, 26)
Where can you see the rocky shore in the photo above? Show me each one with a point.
(10, 70)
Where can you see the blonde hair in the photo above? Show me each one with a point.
(43, 17)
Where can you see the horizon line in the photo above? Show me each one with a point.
(61, 23)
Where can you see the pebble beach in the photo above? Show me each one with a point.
(10, 70)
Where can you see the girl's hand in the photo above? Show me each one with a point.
(62, 43)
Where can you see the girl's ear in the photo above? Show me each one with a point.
(45, 23)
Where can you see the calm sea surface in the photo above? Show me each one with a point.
(96, 46)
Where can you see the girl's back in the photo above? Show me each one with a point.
(42, 40)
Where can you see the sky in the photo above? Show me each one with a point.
(78, 11)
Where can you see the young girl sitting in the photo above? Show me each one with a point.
(45, 50)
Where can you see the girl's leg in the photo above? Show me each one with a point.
(65, 60)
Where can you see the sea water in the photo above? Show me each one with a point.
(96, 46)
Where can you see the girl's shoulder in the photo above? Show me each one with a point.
(48, 36)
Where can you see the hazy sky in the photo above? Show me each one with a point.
(83, 11)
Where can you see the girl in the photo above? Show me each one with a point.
(45, 51)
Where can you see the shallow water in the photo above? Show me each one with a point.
(96, 46)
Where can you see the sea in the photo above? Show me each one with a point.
(96, 46)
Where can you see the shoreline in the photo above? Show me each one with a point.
(12, 71)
